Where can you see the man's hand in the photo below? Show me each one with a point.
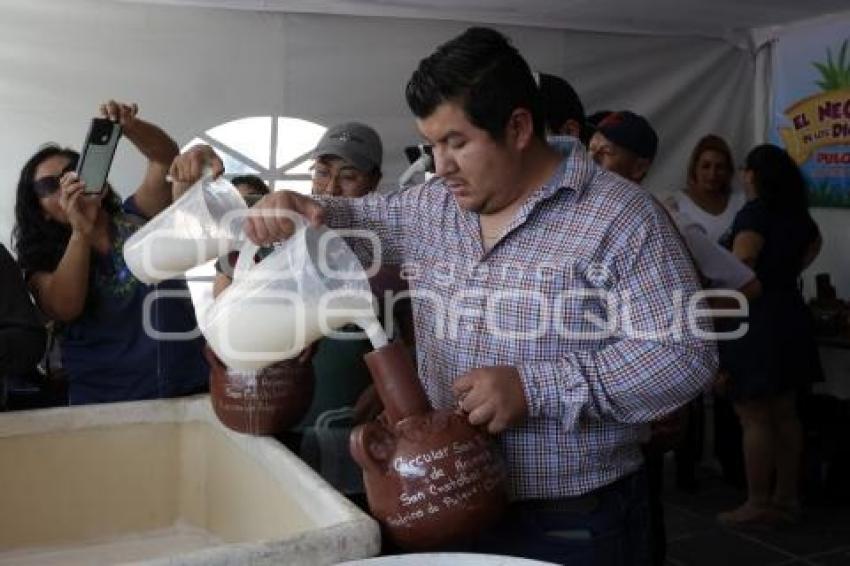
(493, 397)
(271, 219)
(189, 166)
(124, 114)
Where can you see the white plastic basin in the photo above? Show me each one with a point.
(163, 482)
(446, 559)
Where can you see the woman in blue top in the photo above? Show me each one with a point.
(69, 245)
(776, 236)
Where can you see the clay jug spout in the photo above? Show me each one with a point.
(397, 382)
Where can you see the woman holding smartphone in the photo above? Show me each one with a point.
(69, 245)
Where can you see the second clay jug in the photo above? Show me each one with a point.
(266, 401)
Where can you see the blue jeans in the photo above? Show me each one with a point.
(608, 527)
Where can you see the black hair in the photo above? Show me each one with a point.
(38, 241)
(257, 184)
(482, 72)
(778, 180)
(561, 103)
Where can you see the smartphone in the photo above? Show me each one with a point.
(97, 154)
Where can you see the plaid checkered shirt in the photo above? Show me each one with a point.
(585, 294)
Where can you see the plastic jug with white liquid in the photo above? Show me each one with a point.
(309, 286)
(203, 224)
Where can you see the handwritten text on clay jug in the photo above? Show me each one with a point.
(431, 479)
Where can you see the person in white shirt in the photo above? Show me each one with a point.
(709, 201)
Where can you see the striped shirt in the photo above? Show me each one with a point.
(585, 294)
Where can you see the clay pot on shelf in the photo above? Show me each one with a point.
(267, 401)
(431, 478)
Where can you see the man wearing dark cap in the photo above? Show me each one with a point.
(348, 161)
(624, 143)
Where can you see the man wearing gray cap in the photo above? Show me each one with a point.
(348, 164)
(348, 161)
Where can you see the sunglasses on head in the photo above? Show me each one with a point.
(46, 186)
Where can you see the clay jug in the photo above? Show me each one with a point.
(266, 401)
(431, 478)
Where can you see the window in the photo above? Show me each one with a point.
(276, 149)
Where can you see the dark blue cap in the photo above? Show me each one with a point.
(630, 131)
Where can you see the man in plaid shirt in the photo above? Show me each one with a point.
(552, 300)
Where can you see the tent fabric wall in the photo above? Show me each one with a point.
(191, 69)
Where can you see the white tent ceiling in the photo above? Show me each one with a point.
(726, 19)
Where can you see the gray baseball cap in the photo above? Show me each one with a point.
(357, 143)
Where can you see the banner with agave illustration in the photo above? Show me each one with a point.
(811, 108)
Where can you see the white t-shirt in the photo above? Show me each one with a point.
(717, 264)
(714, 225)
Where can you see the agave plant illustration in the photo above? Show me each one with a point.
(835, 74)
